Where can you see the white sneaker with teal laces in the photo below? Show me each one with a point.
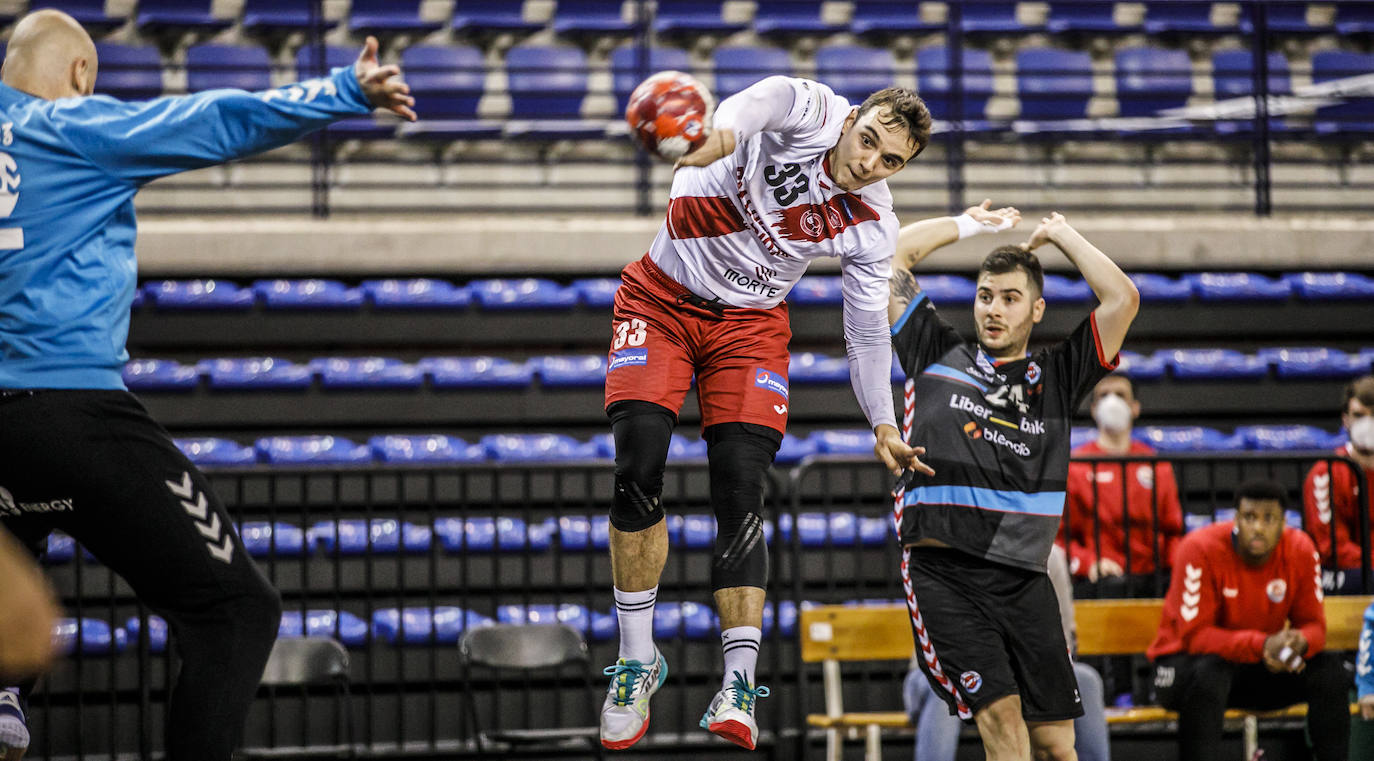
(625, 712)
(731, 714)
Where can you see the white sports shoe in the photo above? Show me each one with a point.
(14, 733)
(731, 714)
(625, 713)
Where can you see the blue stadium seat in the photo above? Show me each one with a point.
(128, 72)
(1238, 286)
(1194, 521)
(416, 293)
(60, 549)
(693, 532)
(876, 531)
(626, 73)
(1331, 286)
(433, 448)
(572, 614)
(198, 294)
(1354, 19)
(604, 626)
(1053, 83)
(447, 82)
(1233, 77)
(347, 628)
(596, 292)
(991, 18)
(693, 620)
(389, 17)
(476, 372)
(948, 289)
(1283, 18)
(312, 450)
(353, 537)
(277, 17)
(138, 298)
(808, 367)
(367, 372)
(262, 539)
(537, 447)
(794, 448)
(854, 72)
(489, 17)
(529, 293)
(858, 441)
(1180, 17)
(1080, 435)
(217, 452)
(1285, 438)
(356, 128)
(214, 67)
(933, 83)
(789, 18)
(1190, 438)
(307, 294)
(682, 448)
(477, 534)
(1356, 113)
(157, 632)
(688, 18)
(1213, 364)
(442, 625)
(590, 18)
(821, 529)
(255, 373)
(1060, 289)
(1149, 80)
(737, 67)
(880, 19)
(89, 13)
(171, 16)
(571, 371)
(547, 85)
(784, 614)
(817, 290)
(160, 375)
(1139, 367)
(1314, 362)
(1162, 288)
(91, 635)
(578, 532)
(1085, 17)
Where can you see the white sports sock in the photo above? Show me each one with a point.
(741, 647)
(635, 612)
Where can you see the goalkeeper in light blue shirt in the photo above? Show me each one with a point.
(77, 451)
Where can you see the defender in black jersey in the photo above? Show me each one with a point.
(994, 420)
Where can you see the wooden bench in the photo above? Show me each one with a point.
(831, 634)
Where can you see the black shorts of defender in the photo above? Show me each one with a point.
(94, 465)
(995, 631)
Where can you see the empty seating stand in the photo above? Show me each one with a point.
(356, 128)
(881, 19)
(1354, 113)
(854, 72)
(89, 13)
(790, 18)
(631, 65)
(269, 18)
(547, 85)
(962, 106)
(693, 18)
(447, 82)
(213, 67)
(1085, 18)
(128, 72)
(591, 19)
(389, 17)
(167, 17)
(481, 18)
(737, 67)
(1150, 80)
(1052, 84)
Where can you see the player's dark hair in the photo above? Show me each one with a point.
(905, 108)
(1004, 259)
(1262, 489)
(1361, 388)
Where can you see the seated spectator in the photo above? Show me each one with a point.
(1331, 493)
(937, 730)
(1244, 627)
(1113, 547)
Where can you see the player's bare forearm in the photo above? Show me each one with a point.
(719, 144)
(918, 240)
(1119, 301)
(902, 290)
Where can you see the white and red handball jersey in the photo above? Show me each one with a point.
(743, 229)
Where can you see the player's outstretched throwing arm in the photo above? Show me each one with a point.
(1119, 301)
(918, 240)
(141, 141)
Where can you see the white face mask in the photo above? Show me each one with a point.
(1362, 433)
(1112, 413)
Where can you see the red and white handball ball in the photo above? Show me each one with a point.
(668, 114)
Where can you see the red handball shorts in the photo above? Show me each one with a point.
(660, 339)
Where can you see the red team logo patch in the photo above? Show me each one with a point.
(972, 681)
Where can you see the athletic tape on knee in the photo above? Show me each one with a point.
(634, 510)
(741, 556)
(740, 454)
